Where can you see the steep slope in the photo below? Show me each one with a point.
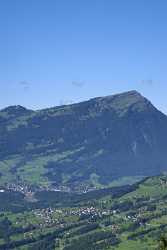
(99, 140)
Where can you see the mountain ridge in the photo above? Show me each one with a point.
(88, 143)
(122, 94)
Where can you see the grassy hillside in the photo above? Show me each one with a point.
(123, 218)
(92, 144)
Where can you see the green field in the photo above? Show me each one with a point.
(121, 218)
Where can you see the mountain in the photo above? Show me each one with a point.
(90, 143)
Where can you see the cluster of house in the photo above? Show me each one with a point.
(90, 211)
(52, 217)
(22, 188)
(84, 211)
(47, 216)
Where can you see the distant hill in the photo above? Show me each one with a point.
(91, 143)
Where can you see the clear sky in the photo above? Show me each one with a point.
(61, 51)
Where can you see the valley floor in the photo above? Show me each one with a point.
(121, 219)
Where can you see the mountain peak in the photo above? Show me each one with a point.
(15, 109)
(131, 94)
(126, 101)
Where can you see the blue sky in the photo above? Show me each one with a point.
(58, 51)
